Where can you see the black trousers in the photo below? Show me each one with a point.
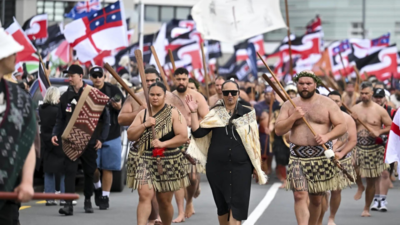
(9, 213)
(89, 165)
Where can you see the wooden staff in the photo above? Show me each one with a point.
(39, 196)
(269, 81)
(341, 59)
(358, 78)
(326, 77)
(366, 75)
(347, 108)
(206, 78)
(271, 103)
(124, 86)
(171, 58)
(44, 68)
(334, 160)
(332, 80)
(159, 68)
(289, 41)
(139, 60)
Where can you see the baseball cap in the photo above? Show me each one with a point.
(96, 70)
(74, 69)
(379, 92)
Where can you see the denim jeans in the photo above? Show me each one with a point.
(50, 183)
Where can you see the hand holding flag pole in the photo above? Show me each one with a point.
(334, 160)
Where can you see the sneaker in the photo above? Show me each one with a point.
(104, 202)
(51, 203)
(74, 202)
(97, 194)
(376, 205)
(62, 202)
(383, 207)
(88, 206)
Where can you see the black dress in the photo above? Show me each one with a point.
(228, 169)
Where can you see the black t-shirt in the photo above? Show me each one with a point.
(112, 91)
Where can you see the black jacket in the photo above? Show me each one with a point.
(52, 156)
(63, 117)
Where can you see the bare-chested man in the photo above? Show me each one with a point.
(306, 153)
(343, 148)
(181, 79)
(129, 110)
(350, 96)
(218, 88)
(370, 155)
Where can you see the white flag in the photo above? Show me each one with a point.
(232, 21)
(392, 147)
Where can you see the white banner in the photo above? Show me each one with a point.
(233, 21)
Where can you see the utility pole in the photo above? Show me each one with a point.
(3, 13)
(363, 19)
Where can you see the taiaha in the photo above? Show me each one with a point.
(289, 41)
(124, 86)
(160, 68)
(334, 160)
(39, 196)
(347, 108)
(269, 81)
(206, 78)
(358, 79)
(139, 60)
(341, 59)
(171, 58)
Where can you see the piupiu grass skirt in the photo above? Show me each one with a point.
(190, 168)
(144, 170)
(315, 174)
(347, 164)
(369, 160)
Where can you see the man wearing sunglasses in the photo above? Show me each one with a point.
(109, 155)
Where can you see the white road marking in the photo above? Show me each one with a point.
(262, 206)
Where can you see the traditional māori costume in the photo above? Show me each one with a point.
(309, 170)
(347, 164)
(231, 151)
(369, 157)
(143, 166)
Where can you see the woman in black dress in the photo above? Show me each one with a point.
(227, 138)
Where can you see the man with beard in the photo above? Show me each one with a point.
(218, 88)
(181, 78)
(318, 173)
(383, 183)
(128, 113)
(350, 96)
(343, 147)
(370, 154)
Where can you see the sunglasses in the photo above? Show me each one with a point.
(233, 93)
(97, 75)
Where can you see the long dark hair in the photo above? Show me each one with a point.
(158, 84)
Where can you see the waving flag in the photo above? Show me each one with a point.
(392, 148)
(314, 25)
(43, 81)
(382, 64)
(84, 8)
(36, 27)
(103, 30)
(29, 52)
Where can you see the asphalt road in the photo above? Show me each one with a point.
(268, 205)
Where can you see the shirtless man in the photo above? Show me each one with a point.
(305, 148)
(370, 155)
(218, 88)
(343, 147)
(350, 96)
(181, 79)
(126, 116)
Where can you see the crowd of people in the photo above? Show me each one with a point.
(231, 130)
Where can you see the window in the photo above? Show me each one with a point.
(157, 13)
(357, 29)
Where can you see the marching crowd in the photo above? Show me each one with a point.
(323, 139)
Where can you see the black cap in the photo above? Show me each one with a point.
(379, 92)
(96, 69)
(74, 69)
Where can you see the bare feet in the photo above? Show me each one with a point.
(179, 219)
(331, 222)
(189, 210)
(365, 213)
(283, 185)
(197, 193)
(158, 222)
(358, 195)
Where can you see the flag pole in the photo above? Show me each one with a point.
(289, 41)
(141, 19)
